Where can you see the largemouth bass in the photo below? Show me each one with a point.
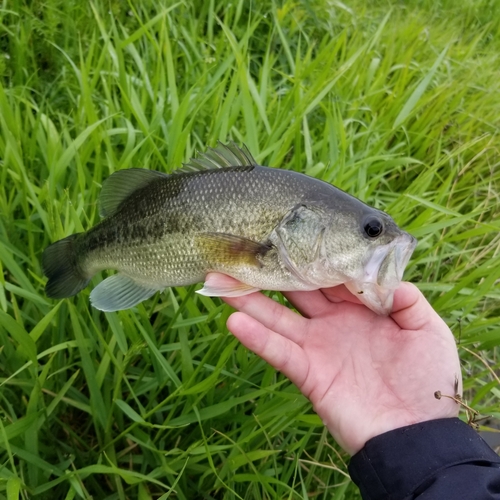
(270, 229)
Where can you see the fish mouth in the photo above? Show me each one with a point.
(392, 267)
(383, 273)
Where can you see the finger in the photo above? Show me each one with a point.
(280, 352)
(309, 304)
(340, 294)
(315, 302)
(411, 311)
(272, 315)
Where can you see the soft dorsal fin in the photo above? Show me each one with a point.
(121, 184)
(224, 155)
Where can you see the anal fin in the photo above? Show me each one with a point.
(119, 292)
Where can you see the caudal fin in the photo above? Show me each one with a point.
(60, 264)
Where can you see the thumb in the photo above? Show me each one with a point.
(411, 311)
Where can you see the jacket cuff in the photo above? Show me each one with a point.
(396, 463)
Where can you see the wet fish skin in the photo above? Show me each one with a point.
(269, 228)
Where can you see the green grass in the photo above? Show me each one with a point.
(395, 102)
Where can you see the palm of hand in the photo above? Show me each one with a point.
(365, 374)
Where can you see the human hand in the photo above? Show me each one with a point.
(364, 374)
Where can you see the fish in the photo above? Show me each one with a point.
(269, 228)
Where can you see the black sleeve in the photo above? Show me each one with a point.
(436, 460)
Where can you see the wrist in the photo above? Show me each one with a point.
(397, 463)
(355, 432)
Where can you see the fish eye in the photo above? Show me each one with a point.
(373, 227)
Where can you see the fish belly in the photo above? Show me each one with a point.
(177, 260)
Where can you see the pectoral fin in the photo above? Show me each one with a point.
(119, 292)
(220, 285)
(226, 248)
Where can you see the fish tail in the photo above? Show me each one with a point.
(61, 265)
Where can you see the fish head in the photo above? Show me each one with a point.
(376, 256)
(353, 244)
(382, 273)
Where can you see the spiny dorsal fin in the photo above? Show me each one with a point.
(121, 184)
(224, 155)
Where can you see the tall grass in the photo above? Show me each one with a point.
(395, 102)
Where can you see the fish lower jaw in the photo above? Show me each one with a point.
(373, 296)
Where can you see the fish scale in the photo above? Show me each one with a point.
(165, 231)
(268, 228)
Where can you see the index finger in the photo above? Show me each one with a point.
(271, 314)
(315, 302)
